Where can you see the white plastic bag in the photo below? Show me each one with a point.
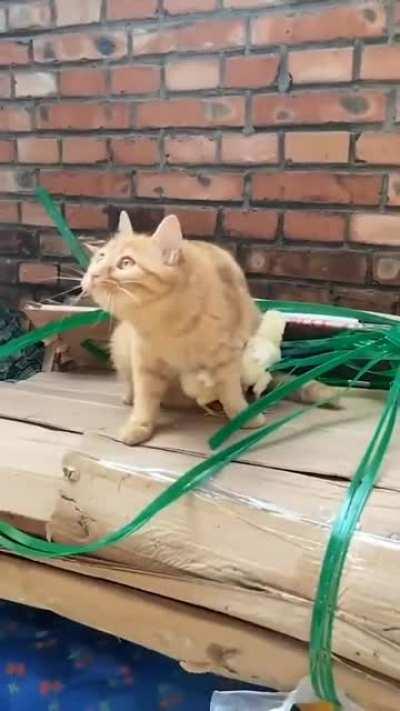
(260, 701)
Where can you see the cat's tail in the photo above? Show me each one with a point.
(310, 394)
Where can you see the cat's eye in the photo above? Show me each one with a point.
(125, 263)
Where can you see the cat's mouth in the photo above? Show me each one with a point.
(96, 283)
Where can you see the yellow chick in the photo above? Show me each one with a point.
(262, 351)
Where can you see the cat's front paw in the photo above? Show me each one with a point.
(135, 433)
(256, 422)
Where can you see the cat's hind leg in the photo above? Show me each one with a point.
(313, 393)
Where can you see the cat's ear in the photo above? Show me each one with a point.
(124, 224)
(168, 237)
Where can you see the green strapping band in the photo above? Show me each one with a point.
(54, 213)
(356, 498)
(349, 349)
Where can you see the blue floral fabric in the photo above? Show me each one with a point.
(22, 365)
(48, 663)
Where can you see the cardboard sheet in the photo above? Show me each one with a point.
(247, 546)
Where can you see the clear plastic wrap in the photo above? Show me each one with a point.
(258, 701)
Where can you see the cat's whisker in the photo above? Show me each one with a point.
(61, 278)
(110, 305)
(61, 293)
(76, 270)
(128, 293)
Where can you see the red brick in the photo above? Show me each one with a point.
(5, 85)
(135, 79)
(87, 183)
(73, 47)
(52, 245)
(381, 62)
(35, 84)
(131, 9)
(289, 291)
(185, 7)
(27, 15)
(250, 224)
(344, 21)
(189, 74)
(17, 242)
(314, 108)
(317, 147)
(82, 82)
(195, 223)
(317, 187)
(192, 113)
(379, 148)
(86, 217)
(15, 119)
(309, 66)
(84, 150)
(256, 148)
(32, 213)
(14, 52)
(16, 181)
(80, 116)
(8, 271)
(77, 12)
(140, 150)
(386, 268)
(367, 299)
(7, 151)
(8, 211)
(204, 36)
(246, 4)
(349, 267)
(38, 150)
(251, 71)
(190, 149)
(38, 273)
(376, 229)
(394, 189)
(193, 186)
(314, 226)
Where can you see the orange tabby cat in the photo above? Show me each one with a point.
(184, 307)
(185, 314)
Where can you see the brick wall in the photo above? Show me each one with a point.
(269, 126)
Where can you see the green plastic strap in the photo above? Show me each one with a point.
(52, 329)
(357, 496)
(54, 213)
(95, 350)
(16, 541)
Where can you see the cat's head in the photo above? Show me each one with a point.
(133, 269)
